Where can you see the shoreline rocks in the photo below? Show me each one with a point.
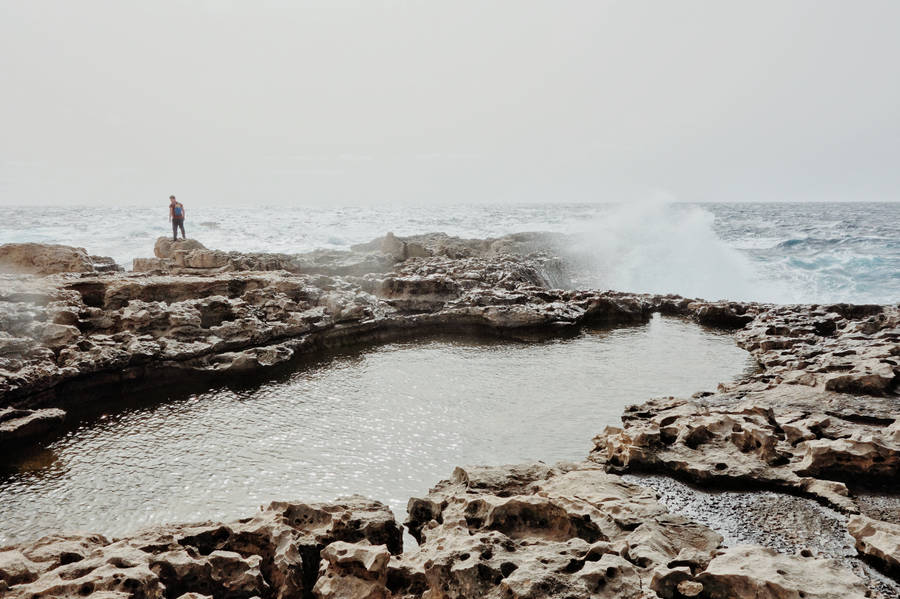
(530, 530)
(19, 425)
(275, 553)
(64, 335)
(48, 259)
(820, 417)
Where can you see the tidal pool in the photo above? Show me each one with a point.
(387, 422)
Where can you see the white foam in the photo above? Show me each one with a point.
(660, 247)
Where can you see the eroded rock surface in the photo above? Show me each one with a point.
(877, 540)
(820, 418)
(539, 531)
(63, 335)
(531, 530)
(273, 554)
(748, 571)
(789, 425)
(821, 413)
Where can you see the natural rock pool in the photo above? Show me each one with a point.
(386, 422)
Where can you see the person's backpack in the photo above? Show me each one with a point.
(178, 211)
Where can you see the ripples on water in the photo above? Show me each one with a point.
(388, 423)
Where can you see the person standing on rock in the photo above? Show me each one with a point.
(176, 215)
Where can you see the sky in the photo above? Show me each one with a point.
(372, 103)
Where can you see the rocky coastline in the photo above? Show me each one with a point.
(820, 419)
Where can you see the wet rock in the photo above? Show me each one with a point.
(877, 540)
(218, 317)
(820, 409)
(105, 264)
(759, 573)
(729, 315)
(786, 426)
(17, 425)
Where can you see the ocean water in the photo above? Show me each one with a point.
(766, 252)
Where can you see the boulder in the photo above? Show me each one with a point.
(353, 571)
(165, 247)
(149, 264)
(43, 259)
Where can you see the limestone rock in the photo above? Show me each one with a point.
(877, 540)
(768, 439)
(105, 264)
(268, 555)
(761, 573)
(538, 531)
(43, 259)
(723, 314)
(165, 247)
(149, 264)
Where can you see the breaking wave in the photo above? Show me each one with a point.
(658, 247)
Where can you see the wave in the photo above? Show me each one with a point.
(658, 247)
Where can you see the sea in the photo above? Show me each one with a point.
(770, 252)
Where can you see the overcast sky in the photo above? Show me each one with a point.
(263, 102)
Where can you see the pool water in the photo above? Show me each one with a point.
(386, 422)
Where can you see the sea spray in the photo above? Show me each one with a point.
(660, 247)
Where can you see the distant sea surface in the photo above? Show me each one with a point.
(766, 252)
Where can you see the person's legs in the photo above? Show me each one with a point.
(174, 229)
(181, 224)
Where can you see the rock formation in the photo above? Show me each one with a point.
(19, 425)
(47, 259)
(877, 540)
(275, 553)
(531, 531)
(819, 417)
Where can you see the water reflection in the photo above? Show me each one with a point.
(388, 423)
